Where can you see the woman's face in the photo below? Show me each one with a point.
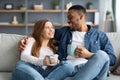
(48, 31)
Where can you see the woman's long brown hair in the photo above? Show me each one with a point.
(37, 33)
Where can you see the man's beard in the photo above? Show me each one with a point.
(72, 29)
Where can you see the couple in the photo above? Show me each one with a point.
(93, 45)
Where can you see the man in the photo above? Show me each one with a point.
(92, 44)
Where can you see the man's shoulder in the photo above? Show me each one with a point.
(100, 33)
(97, 31)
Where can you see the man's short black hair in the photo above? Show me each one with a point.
(79, 8)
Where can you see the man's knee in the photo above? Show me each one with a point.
(102, 55)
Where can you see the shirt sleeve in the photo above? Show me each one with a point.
(26, 54)
(107, 47)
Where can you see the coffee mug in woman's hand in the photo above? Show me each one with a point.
(54, 59)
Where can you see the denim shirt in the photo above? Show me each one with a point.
(94, 40)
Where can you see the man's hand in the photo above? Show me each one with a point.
(82, 52)
(22, 43)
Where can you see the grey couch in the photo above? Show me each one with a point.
(9, 53)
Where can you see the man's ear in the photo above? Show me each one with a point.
(81, 16)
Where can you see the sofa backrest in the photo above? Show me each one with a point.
(115, 41)
(9, 53)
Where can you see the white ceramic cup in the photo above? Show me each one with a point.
(71, 49)
(54, 56)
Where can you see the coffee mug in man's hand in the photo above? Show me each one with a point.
(71, 49)
(54, 59)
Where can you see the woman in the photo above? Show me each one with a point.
(35, 58)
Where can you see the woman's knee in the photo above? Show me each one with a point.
(21, 75)
(24, 71)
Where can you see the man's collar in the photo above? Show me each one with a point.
(90, 29)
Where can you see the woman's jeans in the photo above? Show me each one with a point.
(27, 71)
(96, 68)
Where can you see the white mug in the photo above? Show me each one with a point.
(71, 49)
(54, 56)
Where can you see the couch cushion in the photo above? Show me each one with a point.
(8, 76)
(9, 51)
(113, 77)
(115, 41)
(5, 76)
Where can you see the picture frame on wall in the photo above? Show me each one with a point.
(8, 6)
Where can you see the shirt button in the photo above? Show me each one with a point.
(96, 41)
(64, 58)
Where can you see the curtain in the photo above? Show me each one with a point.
(106, 25)
(114, 12)
(102, 10)
(117, 17)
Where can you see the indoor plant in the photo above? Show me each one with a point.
(22, 6)
(56, 4)
(108, 15)
(89, 5)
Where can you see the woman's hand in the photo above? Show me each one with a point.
(50, 61)
(22, 43)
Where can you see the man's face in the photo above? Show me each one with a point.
(74, 19)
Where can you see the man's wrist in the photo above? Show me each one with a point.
(90, 54)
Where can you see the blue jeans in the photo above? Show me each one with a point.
(96, 68)
(27, 71)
